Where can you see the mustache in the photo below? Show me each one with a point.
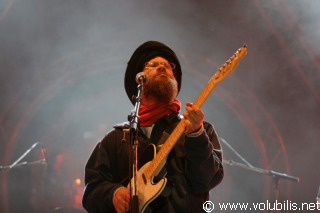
(163, 73)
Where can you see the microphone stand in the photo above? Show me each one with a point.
(133, 118)
(276, 175)
(24, 164)
(16, 164)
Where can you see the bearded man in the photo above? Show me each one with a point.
(194, 165)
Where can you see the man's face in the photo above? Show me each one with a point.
(162, 83)
(159, 67)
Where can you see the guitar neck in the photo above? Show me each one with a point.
(158, 162)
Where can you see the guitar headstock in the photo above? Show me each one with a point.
(230, 64)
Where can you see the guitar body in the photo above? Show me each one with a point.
(147, 190)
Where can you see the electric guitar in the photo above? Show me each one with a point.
(146, 188)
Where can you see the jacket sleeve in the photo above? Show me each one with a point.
(203, 160)
(100, 181)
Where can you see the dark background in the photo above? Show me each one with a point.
(62, 64)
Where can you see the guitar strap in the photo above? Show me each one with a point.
(163, 128)
(160, 131)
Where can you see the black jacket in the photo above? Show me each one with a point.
(193, 168)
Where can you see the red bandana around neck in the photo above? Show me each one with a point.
(148, 115)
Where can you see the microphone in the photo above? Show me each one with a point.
(142, 78)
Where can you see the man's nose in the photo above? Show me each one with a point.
(161, 68)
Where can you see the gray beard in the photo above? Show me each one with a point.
(163, 90)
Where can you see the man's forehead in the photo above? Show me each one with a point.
(158, 58)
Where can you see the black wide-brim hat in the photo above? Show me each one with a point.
(143, 54)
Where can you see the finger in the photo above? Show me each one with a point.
(189, 104)
(187, 125)
(122, 205)
(191, 116)
(126, 208)
(196, 109)
(123, 208)
(194, 116)
(185, 115)
(126, 198)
